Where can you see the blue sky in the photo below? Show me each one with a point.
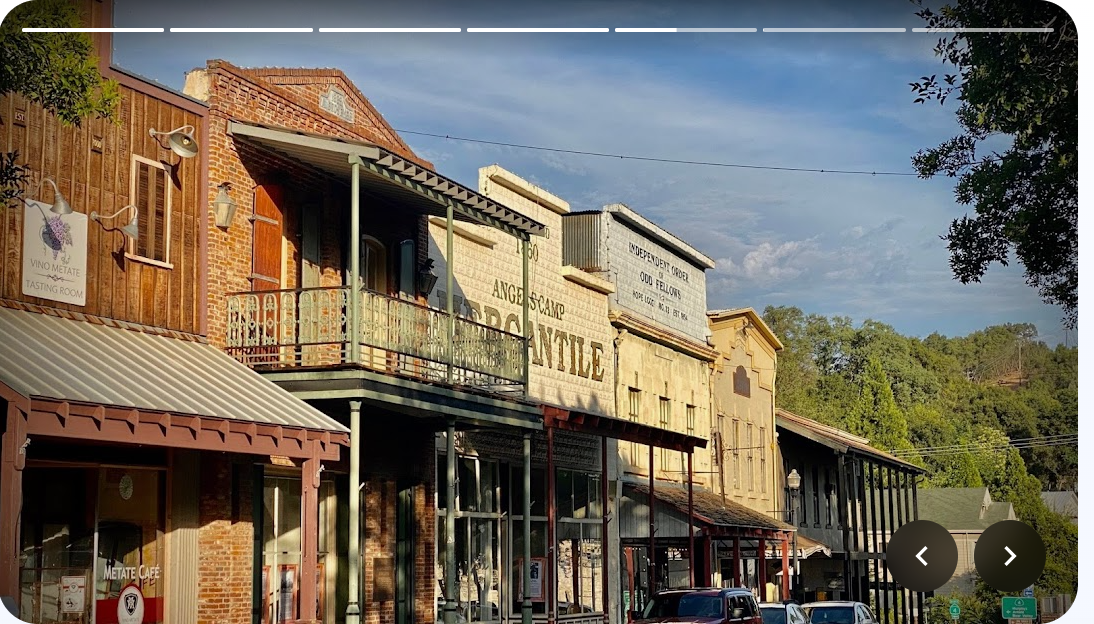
(860, 246)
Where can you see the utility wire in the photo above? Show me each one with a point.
(660, 160)
(1026, 443)
(1012, 441)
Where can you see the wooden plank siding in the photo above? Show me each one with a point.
(94, 179)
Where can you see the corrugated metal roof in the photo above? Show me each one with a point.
(836, 439)
(51, 357)
(710, 509)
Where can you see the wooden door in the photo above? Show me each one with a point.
(266, 249)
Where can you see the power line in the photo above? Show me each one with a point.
(1019, 444)
(660, 160)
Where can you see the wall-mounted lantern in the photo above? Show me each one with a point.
(131, 229)
(224, 207)
(426, 279)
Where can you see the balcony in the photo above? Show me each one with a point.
(311, 328)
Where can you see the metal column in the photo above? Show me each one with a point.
(355, 262)
(691, 523)
(604, 527)
(526, 514)
(552, 543)
(524, 308)
(449, 302)
(450, 604)
(651, 559)
(353, 609)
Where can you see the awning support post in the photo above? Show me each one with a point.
(786, 568)
(524, 308)
(761, 567)
(526, 513)
(450, 603)
(552, 543)
(353, 609)
(691, 522)
(12, 459)
(449, 302)
(355, 263)
(650, 561)
(606, 593)
(309, 529)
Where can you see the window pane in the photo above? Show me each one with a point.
(564, 487)
(539, 492)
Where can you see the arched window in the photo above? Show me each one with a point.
(741, 383)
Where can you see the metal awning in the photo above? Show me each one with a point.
(837, 440)
(710, 510)
(619, 429)
(387, 175)
(43, 356)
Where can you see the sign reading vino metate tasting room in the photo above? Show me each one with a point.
(54, 254)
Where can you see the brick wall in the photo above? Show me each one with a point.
(225, 542)
(255, 96)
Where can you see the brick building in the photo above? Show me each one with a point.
(129, 443)
(321, 283)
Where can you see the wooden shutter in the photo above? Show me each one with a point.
(266, 246)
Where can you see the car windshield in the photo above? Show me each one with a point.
(773, 615)
(661, 607)
(700, 605)
(832, 615)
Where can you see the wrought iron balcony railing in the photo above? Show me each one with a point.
(310, 327)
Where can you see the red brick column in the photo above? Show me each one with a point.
(225, 542)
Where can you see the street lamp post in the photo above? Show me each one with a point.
(794, 483)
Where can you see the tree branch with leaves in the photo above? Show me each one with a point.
(56, 70)
(1019, 88)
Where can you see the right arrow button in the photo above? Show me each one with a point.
(997, 551)
(1011, 553)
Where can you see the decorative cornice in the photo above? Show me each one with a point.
(645, 329)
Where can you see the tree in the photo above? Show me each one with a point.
(1020, 88)
(56, 70)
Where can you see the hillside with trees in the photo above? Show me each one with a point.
(997, 408)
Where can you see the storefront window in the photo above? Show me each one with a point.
(281, 550)
(580, 560)
(477, 540)
(92, 551)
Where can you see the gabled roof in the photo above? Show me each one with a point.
(757, 321)
(836, 439)
(962, 509)
(1064, 503)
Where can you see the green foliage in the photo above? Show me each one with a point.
(910, 395)
(1023, 88)
(55, 70)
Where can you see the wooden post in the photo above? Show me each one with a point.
(13, 451)
(650, 561)
(761, 567)
(691, 523)
(786, 568)
(309, 536)
(736, 561)
(551, 577)
(604, 587)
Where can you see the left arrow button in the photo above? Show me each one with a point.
(920, 556)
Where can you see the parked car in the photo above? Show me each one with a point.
(703, 606)
(839, 612)
(788, 612)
